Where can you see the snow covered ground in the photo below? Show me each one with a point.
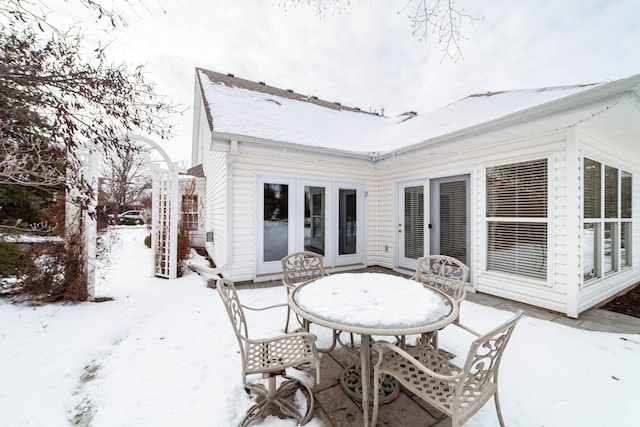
(162, 353)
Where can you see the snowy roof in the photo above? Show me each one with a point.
(243, 108)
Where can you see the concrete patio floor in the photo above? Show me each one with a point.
(335, 409)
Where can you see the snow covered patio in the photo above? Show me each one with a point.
(163, 353)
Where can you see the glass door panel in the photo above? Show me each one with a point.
(314, 219)
(414, 222)
(347, 222)
(449, 227)
(275, 222)
(411, 224)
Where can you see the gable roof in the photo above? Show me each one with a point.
(239, 108)
(231, 80)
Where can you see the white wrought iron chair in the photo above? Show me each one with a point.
(270, 357)
(446, 274)
(301, 267)
(459, 392)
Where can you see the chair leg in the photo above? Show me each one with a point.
(376, 397)
(286, 325)
(497, 401)
(334, 340)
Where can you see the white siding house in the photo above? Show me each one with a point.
(532, 189)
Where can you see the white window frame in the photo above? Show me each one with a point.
(190, 212)
(600, 222)
(360, 256)
(262, 266)
(548, 220)
(297, 186)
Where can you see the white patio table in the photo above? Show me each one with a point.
(372, 304)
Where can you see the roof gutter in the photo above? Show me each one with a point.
(292, 145)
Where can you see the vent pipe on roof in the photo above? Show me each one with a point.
(290, 90)
(262, 83)
(230, 75)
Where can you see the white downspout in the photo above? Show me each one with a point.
(208, 272)
(233, 150)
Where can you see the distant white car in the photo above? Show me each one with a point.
(131, 216)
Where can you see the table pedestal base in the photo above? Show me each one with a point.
(351, 383)
(280, 400)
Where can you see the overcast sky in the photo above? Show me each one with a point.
(367, 57)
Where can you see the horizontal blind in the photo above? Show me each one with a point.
(517, 190)
(610, 192)
(625, 194)
(414, 222)
(592, 189)
(517, 244)
(518, 248)
(453, 219)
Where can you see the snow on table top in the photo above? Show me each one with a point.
(372, 300)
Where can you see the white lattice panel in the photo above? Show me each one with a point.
(165, 223)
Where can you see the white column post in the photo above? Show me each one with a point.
(574, 255)
(175, 203)
(80, 227)
(155, 216)
(90, 222)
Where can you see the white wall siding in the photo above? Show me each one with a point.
(254, 159)
(382, 249)
(215, 169)
(427, 164)
(201, 135)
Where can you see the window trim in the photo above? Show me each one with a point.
(601, 222)
(547, 282)
(297, 185)
(192, 212)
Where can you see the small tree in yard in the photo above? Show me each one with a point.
(54, 97)
(125, 183)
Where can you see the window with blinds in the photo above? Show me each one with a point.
(517, 218)
(606, 228)
(453, 219)
(414, 222)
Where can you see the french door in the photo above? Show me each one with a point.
(433, 219)
(295, 214)
(449, 217)
(411, 223)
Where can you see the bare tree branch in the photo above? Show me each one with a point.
(444, 20)
(429, 18)
(54, 98)
(126, 181)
